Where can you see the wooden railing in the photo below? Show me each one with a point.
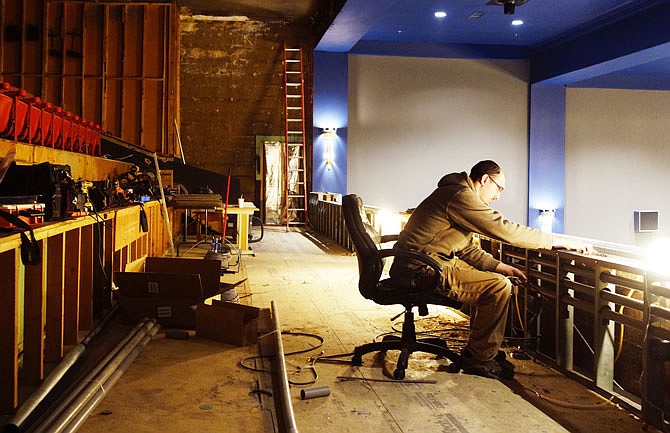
(603, 319)
(46, 306)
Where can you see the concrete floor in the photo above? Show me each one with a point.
(198, 385)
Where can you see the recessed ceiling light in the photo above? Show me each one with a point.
(476, 15)
(517, 22)
(440, 14)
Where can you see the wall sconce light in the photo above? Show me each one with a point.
(329, 144)
(547, 219)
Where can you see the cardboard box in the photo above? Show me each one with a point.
(228, 322)
(168, 290)
(167, 178)
(208, 269)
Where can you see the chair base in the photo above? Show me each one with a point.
(433, 345)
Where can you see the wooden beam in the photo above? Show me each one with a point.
(86, 279)
(55, 290)
(9, 338)
(71, 288)
(83, 166)
(34, 319)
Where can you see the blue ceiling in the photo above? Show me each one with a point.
(578, 43)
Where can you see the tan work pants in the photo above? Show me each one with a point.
(489, 292)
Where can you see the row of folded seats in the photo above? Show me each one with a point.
(28, 119)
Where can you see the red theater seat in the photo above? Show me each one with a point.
(57, 128)
(31, 129)
(19, 112)
(6, 105)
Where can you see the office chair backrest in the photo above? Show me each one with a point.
(366, 243)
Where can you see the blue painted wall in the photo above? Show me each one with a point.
(546, 154)
(330, 111)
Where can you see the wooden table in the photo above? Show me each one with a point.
(244, 215)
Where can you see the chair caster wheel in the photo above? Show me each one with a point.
(357, 360)
(399, 374)
(453, 368)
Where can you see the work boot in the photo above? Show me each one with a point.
(500, 358)
(491, 368)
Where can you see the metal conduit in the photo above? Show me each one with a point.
(660, 290)
(621, 281)
(577, 270)
(16, 423)
(103, 388)
(578, 287)
(625, 301)
(547, 261)
(542, 276)
(659, 311)
(136, 333)
(578, 304)
(284, 394)
(547, 294)
(608, 314)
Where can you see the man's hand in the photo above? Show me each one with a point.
(573, 244)
(510, 271)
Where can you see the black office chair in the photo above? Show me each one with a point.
(383, 291)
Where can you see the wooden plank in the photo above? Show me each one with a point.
(173, 83)
(83, 166)
(9, 338)
(86, 279)
(33, 30)
(127, 226)
(108, 249)
(117, 262)
(54, 324)
(71, 287)
(34, 319)
(93, 62)
(51, 229)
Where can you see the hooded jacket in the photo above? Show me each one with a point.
(443, 225)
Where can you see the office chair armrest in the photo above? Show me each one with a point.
(388, 238)
(421, 257)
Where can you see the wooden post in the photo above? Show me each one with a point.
(71, 288)
(9, 299)
(86, 279)
(54, 323)
(34, 320)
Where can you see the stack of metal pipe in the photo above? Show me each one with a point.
(73, 408)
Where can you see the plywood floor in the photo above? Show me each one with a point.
(198, 385)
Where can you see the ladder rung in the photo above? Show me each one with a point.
(295, 132)
(294, 108)
(295, 120)
(292, 72)
(291, 49)
(292, 61)
(294, 96)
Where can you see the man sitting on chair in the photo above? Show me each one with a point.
(443, 226)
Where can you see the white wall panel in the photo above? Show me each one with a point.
(412, 120)
(617, 160)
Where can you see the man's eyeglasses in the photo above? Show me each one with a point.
(500, 188)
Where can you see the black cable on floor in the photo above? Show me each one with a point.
(296, 352)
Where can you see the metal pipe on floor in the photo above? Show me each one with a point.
(140, 328)
(92, 386)
(284, 393)
(16, 423)
(109, 383)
